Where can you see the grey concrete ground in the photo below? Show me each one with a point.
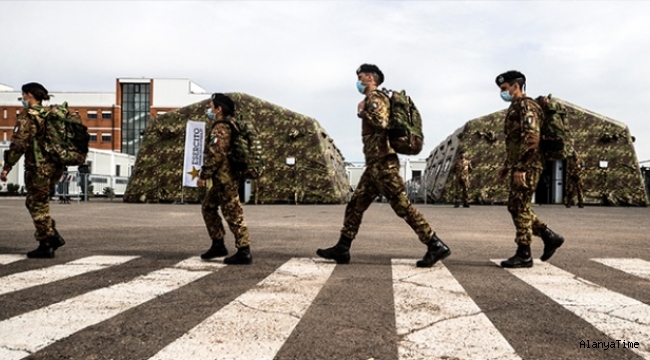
(353, 315)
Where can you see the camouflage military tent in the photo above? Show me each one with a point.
(612, 175)
(318, 175)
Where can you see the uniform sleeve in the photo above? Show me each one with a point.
(377, 110)
(530, 118)
(24, 132)
(216, 150)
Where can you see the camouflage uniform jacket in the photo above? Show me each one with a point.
(215, 155)
(28, 126)
(374, 120)
(462, 168)
(522, 129)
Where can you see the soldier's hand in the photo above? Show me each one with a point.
(520, 178)
(200, 183)
(3, 175)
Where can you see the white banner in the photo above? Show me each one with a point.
(193, 160)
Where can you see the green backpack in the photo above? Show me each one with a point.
(405, 124)
(556, 140)
(65, 139)
(245, 155)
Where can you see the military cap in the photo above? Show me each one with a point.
(33, 86)
(226, 103)
(510, 76)
(371, 68)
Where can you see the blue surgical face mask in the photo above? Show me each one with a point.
(25, 103)
(361, 87)
(209, 113)
(505, 95)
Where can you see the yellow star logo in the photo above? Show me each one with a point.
(194, 173)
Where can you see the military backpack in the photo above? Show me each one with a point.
(245, 155)
(405, 123)
(64, 139)
(556, 140)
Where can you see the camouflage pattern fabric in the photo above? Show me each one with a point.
(382, 177)
(374, 120)
(519, 201)
(40, 174)
(215, 155)
(225, 196)
(318, 174)
(574, 183)
(461, 173)
(596, 137)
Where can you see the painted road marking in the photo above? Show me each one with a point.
(27, 279)
(618, 316)
(636, 267)
(437, 319)
(32, 331)
(9, 258)
(257, 323)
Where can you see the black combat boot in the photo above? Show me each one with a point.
(456, 205)
(465, 205)
(581, 205)
(436, 251)
(217, 249)
(43, 251)
(57, 240)
(339, 252)
(552, 241)
(521, 259)
(241, 257)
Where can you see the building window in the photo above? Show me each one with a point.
(5, 137)
(107, 115)
(17, 112)
(135, 115)
(161, 113)
(117, 170)
(5, 113)
(130, 170)
(106, 137)
(92, 115)
(447, 165)
(93, 137)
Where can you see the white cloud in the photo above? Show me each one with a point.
(303, 54)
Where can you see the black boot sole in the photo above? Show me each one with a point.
(426, 264)
(527, 264)
(341, 259)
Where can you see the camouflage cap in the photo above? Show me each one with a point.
(371, 68)
(509, 76)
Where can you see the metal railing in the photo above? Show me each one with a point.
(81, 186)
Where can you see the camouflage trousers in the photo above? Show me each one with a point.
(573, 190)
(225, 196)
(462, 190)
(519, 206)
(382, 177)
(39, 182)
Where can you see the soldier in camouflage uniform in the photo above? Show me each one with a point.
(523, 165)
(574, 184)
(462, 168)
(381, 176)
(41, 174)
(224, 192)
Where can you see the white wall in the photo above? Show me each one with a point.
(10, 98)
(176, 93)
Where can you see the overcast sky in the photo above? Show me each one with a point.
(303, 54)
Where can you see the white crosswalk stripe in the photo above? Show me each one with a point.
(27, 279)
(636, 267)
(437, 319)
(616, 315)
(264, 316)
(30, 332)
(6, 259)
